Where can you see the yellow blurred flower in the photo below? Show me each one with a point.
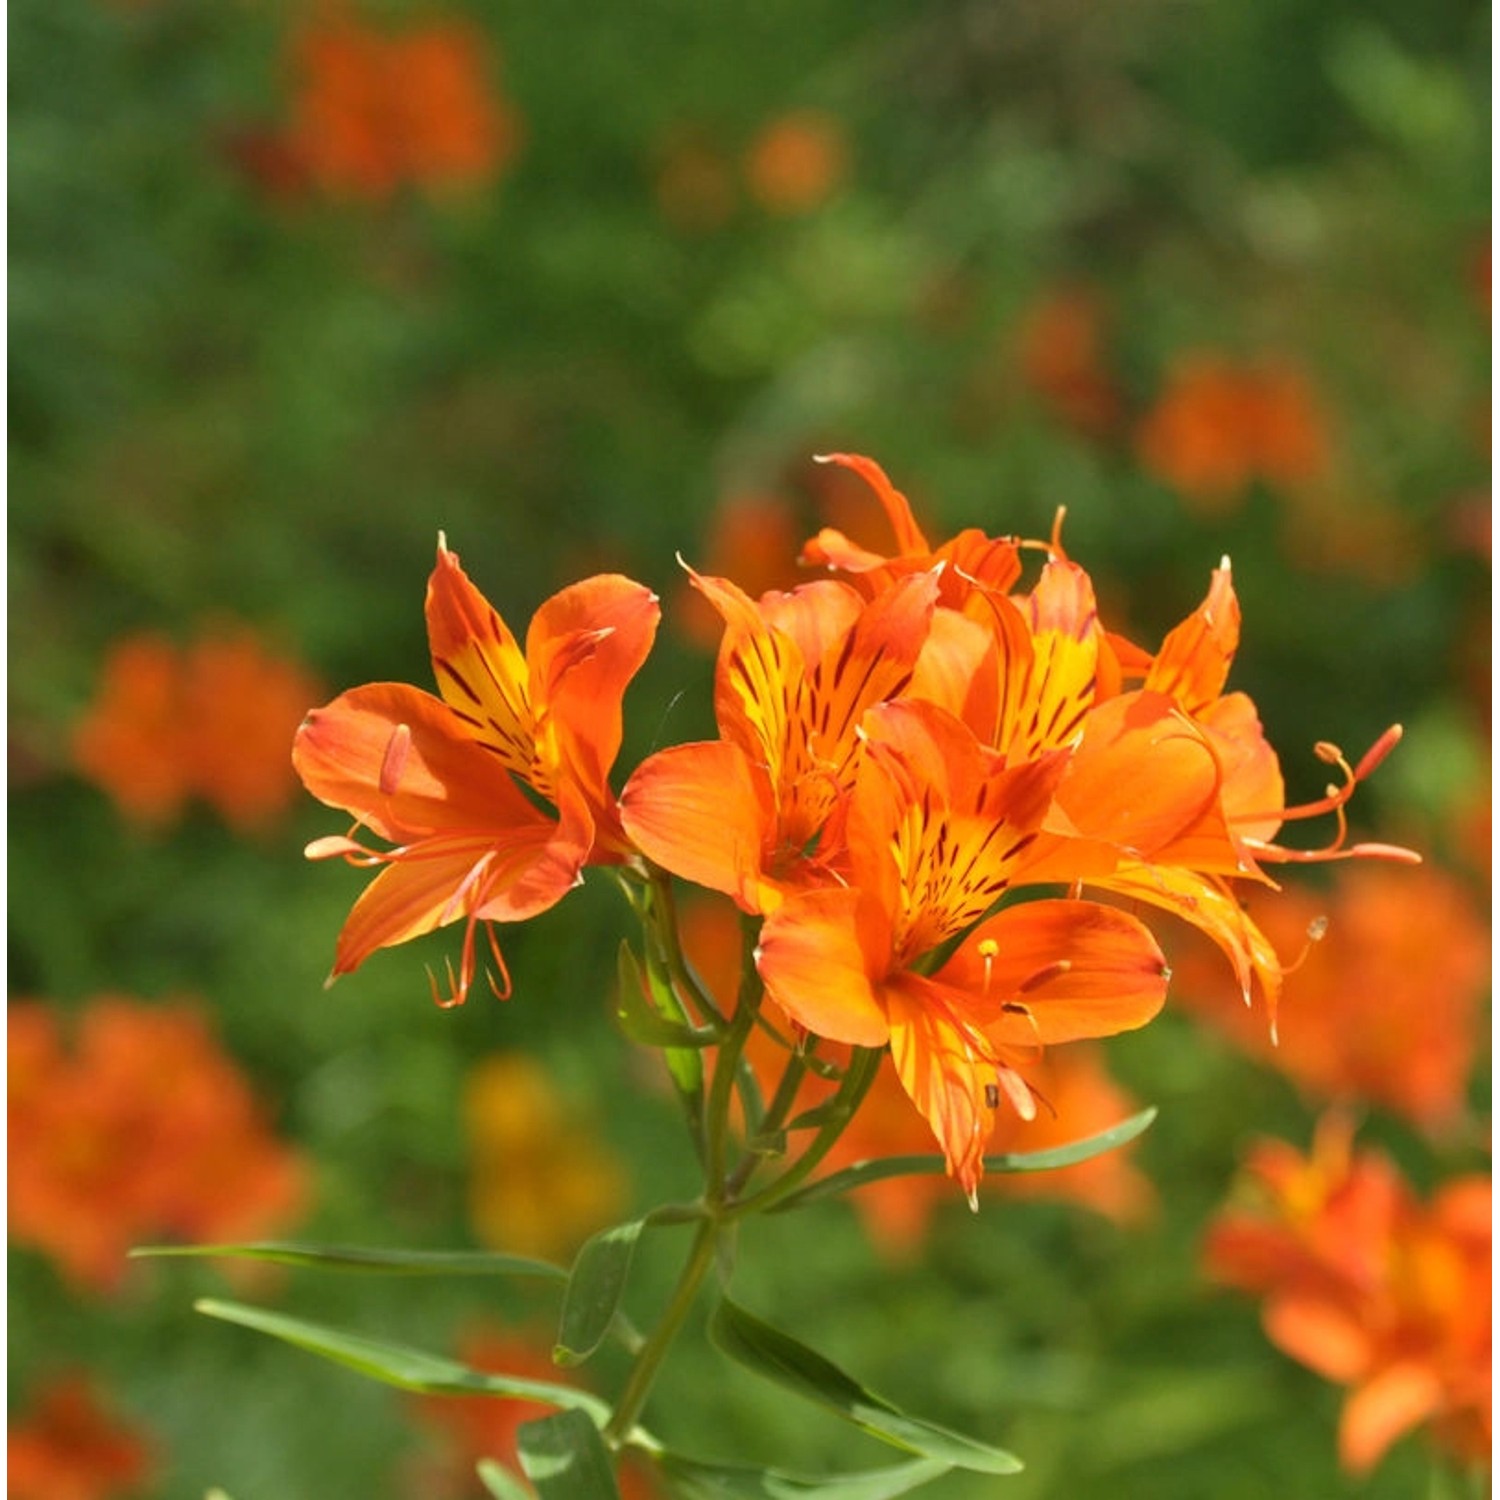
(540, 1182)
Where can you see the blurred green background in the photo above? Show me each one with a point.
(685, 248)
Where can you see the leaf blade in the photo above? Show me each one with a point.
(565, 1458)
(703, 1481)
(398, 1364)
(359, 1258)
(595, 1286)
(1052, 1159)
(781, 1359)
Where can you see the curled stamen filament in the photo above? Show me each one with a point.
(1333, 801)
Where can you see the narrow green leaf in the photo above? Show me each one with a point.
(565, 1458)
(500, 1482)
(1074, 1152)
(778, 1357)
(1050, 1160)
(398, 1364)
(355, 1258)
(642, 1021)
(699, 1481)
(594, 1289)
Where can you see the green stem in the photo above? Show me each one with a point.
(863, 1067)
(649, 1360)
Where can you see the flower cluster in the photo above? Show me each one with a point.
(377, 110)
(210, 721)
(933, 788)
(1370, 1287)
(143, 1127)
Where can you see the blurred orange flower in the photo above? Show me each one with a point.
(1369, 1287)
(215, 720)
(796, 162)
(144, 1128)
(1217, 425)
(1385, 1009)
(540, 1183)
(1060, 346)
(69, 1445)
(757, 537)
(375, 111)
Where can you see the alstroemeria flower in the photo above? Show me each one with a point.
(796, 673)
(441, 778)
(1178, 777)
(938, 829)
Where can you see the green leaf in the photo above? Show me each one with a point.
(594, 1290)
(700, 1481)
(500, 1482)
(1050, 1160)
(565, 1458)
(778, 1357)
(642, 1020)
(398, 1364)
(354, 1258)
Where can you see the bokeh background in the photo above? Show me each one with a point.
(294, 287)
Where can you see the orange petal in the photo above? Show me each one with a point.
(1320, 1334)
(1115, 977)
(909, 539)
(1142, 775)
(584, 646)
(480, 669)
(819, 956)
(1211, 907)
(1382, 1409)
(449, 879)
(1193, 663)
(1253, 793)
(946, 1069)
(404, 764)
(704, 812)
(956, 670)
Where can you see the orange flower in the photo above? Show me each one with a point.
(1061, 353)
(374, 112)
(1212, 803)
(1411, 945)
(442, 779)
(1217, 426)
(144, 1128)
(212, 721)
(938, 829)
(539, 1182)
(796, 162)
(70, 1446)
(1370, 1288)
